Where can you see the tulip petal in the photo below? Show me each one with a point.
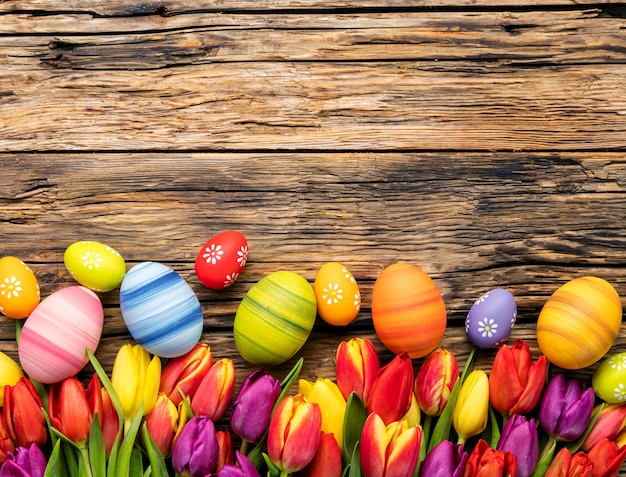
(373, 446)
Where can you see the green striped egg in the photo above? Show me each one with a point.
(274, 319)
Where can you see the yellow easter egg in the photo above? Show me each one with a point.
(579, 323)
(19, 289)
(95, 265)
(274, 319)
(337, 294)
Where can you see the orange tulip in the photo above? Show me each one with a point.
(215, 390)
(356, 368)
(392, 391)
(162, 423)
(565, 464)
(110, 421)
(23, 415)
(485, 461)
(607, 458)
(185, 373)
(327, 460)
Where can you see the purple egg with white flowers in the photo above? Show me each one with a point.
(491, 318)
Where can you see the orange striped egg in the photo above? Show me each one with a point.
(408, 311)
(579, 323)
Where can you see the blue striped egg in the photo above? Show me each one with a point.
(160, 309)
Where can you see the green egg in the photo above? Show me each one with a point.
(609, 379)
(95, 265)
(274, 319)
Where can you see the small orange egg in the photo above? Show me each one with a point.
(579, 323)
(337, 294)
(19, 289)
(408, 311)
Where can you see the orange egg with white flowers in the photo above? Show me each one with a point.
(408, 311)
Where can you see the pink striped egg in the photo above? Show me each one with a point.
(55, 336)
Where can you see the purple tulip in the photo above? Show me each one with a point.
(566, 407)
(445, 458)
(245, 468)
(24, 462)
(520, 438)
(253, 406)
(195, 451)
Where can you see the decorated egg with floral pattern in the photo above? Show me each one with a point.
(491, 318)
(95, 265)
(337, 294)
(609, 379)
(19, 289)
(222, 259)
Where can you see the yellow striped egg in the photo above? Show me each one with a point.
(274, 319)
(579, 323)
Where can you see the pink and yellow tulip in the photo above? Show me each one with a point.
(356, 368)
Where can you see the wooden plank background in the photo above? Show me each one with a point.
(484, 143)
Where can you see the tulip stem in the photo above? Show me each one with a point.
(84, 451)
(244, 447)
(461, 440)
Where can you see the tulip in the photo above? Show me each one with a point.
(215, 390)
(135, 378)
(195, 452)
(6, 444)
(389, 450)
(185, 372)
(566, 408)
(327, 460)
(253, 405)
(23, 415)
(446, 459)
(294, 433)
(24, 462)
(162, 423)
(110, 421)
(487, 461)
(356, 368)
(610, 422)
(469, 416)
(392, 390)
(10, 374)
(435, 380)
(71, 409)
(520, 438)
(516, 382)
(225, 449)
(565, 464)
(329, 398)
(245, 468)
(607, 458)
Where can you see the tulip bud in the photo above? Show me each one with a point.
(446, 459)
(253, 405)
(185, 373)
(566, 408)
(225, 449)
(294, 433)
(110, 422)
(515, 381)
(485, 460)
(23, 414)
(328, 397)
(215, 390)
(357, 365)
(10, 374)
(162, 423)
(389, 450)
(245, 468)
(24, 462)
(610, 422)
(435, 380)
(520, 438)
(565, 464)
(469, 416)
(327, 460)
(392, 390)
(195, 451)
(607, 458)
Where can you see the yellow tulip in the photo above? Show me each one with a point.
(135, 378)
(469, 416)
(327, 395)
(10, 374)
(414, 415)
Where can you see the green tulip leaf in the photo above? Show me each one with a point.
(545, 459)
(272, 469)
(56, 466)
(136, 461)
(353, 421)
(97, 452)
(157, 462)
(288, 381)
(495, 429)
(355, 463)
(123, 464)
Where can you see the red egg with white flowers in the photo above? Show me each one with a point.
(222, 259)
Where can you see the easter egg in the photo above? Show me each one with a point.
(55, 336)
(579, 323)
(161, 311)
(337, 294)
(609, 379)
(408, 311)
(221, 259)
(19, 289)
(491, 318)
(274, 318)
(95, 265)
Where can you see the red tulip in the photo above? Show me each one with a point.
(392, 391)
(611, 421)
(225, 453)
(565, 464)
(607, 458)
(6, 444)
(516, 381)
(162, 423)
(215, 390)
(327, 460)
(23, 415)
(185, 373)
(485, 461)
(435, 380)
(356, 368)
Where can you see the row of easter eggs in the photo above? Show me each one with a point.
(576, 327)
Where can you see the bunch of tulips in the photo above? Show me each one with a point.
(183, 418)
